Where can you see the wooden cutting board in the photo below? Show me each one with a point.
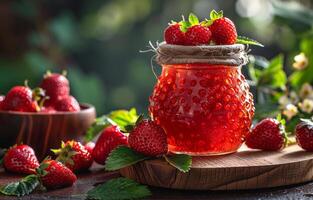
(246, 169)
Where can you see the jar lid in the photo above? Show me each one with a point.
(233, 55)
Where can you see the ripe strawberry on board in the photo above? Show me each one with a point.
(110, 138)
(304, 134)
(56, 86)
(174, 35)
(74, 156)
(67, 104)
(223, 29)
(268, 134)
(148, 138)
(20, 159)
(20, 98)
(54, 174)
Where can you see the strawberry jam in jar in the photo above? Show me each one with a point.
(202, 99)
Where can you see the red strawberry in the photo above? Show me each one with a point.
(90, 146)
(173, 35)
(148, 138)
(54, 174)
(304, 134)
(1, 101)
(223, 29)
(268, 134)
(74, 156)
(56, 86)
(20, 98)
(48, 109)
(67, 104)
(20, 159)
(197, 35)
(110, 138)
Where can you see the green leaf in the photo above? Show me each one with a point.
(184, 25)
(216, 15)
(193, 19)
(99, 124)
(246, 40)
(21, 188)
(180, 161)
(122, 157)
(119, 189)
(274, 75)
(124, 117)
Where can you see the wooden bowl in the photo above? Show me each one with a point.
(43, 131)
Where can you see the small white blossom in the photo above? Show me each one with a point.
(290, 111)
(284, 101)
(306, 105)
(306, 91)
(301, 61)
(294, 98)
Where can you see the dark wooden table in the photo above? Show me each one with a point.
(87, 180)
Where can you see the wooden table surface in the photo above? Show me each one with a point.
(87, 180)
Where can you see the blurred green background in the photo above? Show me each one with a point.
(98, 42)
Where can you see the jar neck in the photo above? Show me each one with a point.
(199, 66)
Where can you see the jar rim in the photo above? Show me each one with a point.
(233, 55)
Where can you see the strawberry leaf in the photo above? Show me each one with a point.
(216, 15)
(193, 19)
(99, 124)
(184, 25)
(21, 188)
(180, 161)
(119, 189)
(121, 157)
(246, 40)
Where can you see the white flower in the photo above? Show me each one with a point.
(290, 111)
(294, 98)
(306, 91)
(284, 101)
(301, 61)
(306, 105)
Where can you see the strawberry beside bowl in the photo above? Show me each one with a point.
(44, 131)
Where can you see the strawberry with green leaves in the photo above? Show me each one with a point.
(20, 159)
(74, 156)
(110, 138)
(50, 174)
(148, 138)
(54, 174)
(189, 32)
(20, 98)
(269, 134)
(56, 87)
(174, 35)
(223, 29)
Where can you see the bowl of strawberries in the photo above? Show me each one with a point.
(44, 116)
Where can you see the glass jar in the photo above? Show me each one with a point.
(205, 109)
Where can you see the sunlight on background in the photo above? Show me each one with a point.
(98, 42)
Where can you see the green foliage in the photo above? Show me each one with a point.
(246, 40)
(273, 75)
(122, 157)
(180, 161)
(303, 76)
(119, 189)
(21, 188)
